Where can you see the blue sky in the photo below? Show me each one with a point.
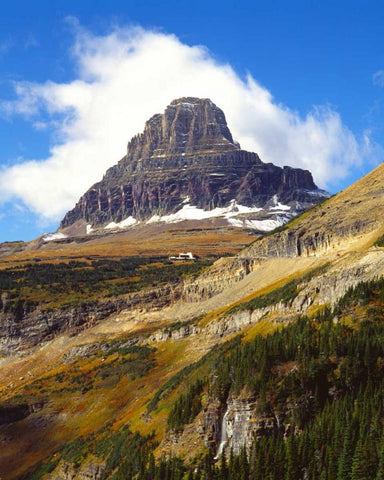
(301, 82)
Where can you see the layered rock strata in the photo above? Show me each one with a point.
(187, 157)
(26, 328)
(337, 224)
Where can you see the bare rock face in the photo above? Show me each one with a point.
(242, 428)
(188, 125)
(27, 328)
(188, 156)
(222, 274)
(92, 470)
(13, 413)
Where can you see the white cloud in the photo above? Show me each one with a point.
(130, 74)
(378, 78)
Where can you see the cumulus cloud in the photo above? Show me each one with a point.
(125, 77)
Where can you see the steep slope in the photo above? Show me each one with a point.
(89, 399)
(341, 229)
(186, 165)
(344, 218)
(185, 382)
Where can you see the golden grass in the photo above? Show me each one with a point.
(263, 328)
(146, 241)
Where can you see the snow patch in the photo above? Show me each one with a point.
(280, 206)
(263, 225)
(154, 219)
(191, 212)
(236, 222)
(89, 229)
(244, 209)
(127, 222)
(49, 237)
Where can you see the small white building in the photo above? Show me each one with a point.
(183, 256)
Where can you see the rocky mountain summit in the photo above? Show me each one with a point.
(186, 166)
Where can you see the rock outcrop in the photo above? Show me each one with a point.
(27, 328)
(221, 275)
(246, 422)
(187, 157)
(331, 226)
(235, 425)
(91, 470)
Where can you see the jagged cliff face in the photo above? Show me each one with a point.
(187, 157)
(188, 125)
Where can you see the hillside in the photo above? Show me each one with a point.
(135, 367)
(338, 222)
(283, 377)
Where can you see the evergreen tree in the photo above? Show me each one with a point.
(364, 461)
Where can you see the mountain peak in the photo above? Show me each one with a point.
(188, 125)
(191, 100)
(186, 165)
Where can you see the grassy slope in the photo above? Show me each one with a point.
(63, 284)
(72, 412)
(81, 402)
(163, 240)
(347, 217)
(131, 408)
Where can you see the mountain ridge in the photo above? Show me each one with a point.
(187, 163)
